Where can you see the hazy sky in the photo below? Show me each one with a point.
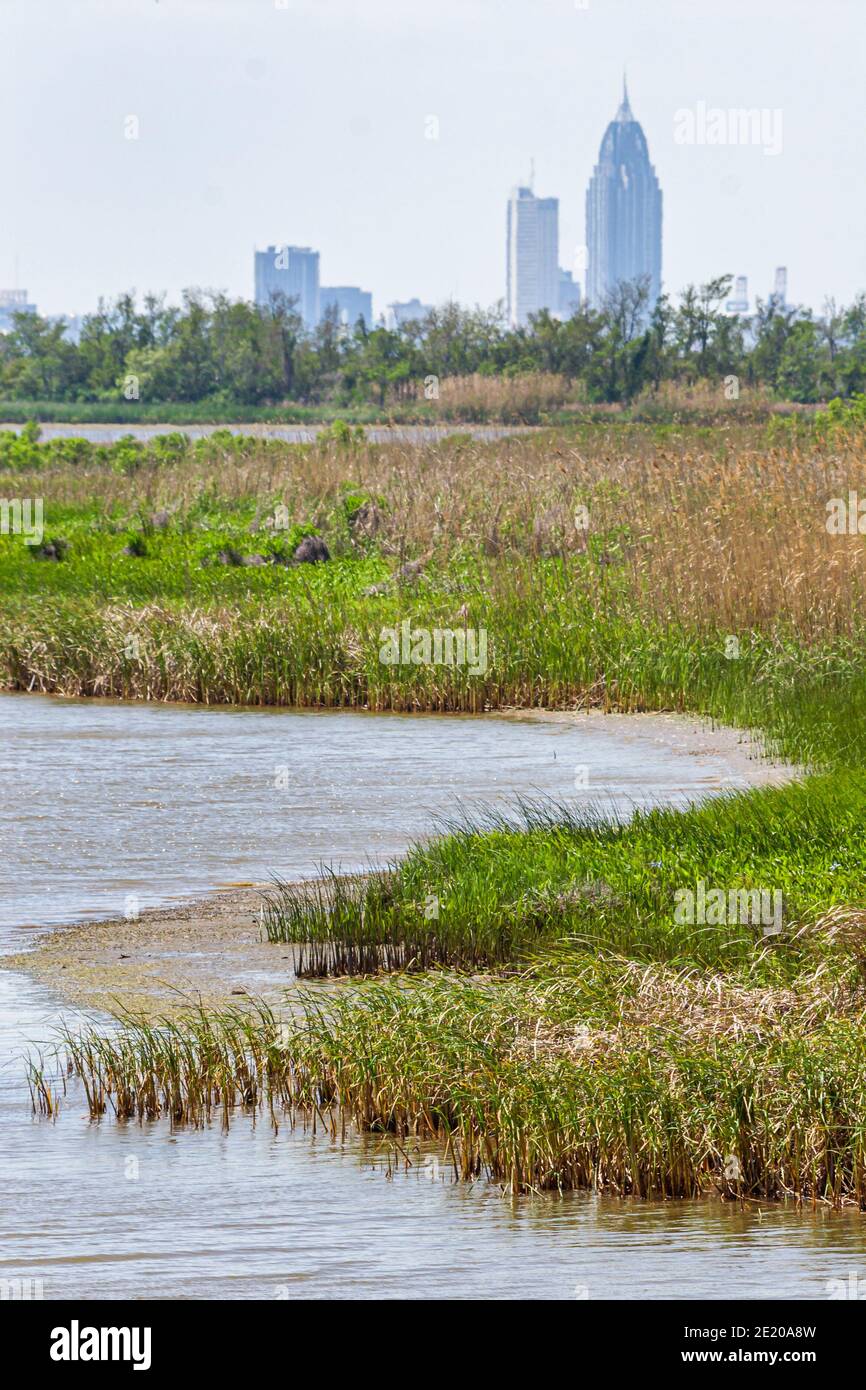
(306, 121)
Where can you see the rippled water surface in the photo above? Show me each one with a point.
(159, 801)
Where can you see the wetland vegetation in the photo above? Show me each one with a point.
(522, 988)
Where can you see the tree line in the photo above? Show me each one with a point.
(213, 347)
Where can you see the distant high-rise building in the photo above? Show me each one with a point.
(623, 212)
(13, 302)
(294, 272)
(71, 324)
(780, 287)
(350, 302)
(532, 256)
(408, 311)
(569, 294)
(739, 303)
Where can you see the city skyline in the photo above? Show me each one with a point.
(244, 144)
(623, 245)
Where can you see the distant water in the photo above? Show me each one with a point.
(291, 434)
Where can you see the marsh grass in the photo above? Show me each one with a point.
(620, 1053)
(551, 1022)
(480, 398)
(392, 922)
(691, 541)
(596, 1074)
(527, 398)
(504, 889)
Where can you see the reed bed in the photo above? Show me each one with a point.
(693, 545)
(602, 1076)
(629, 1056)
(526, 398)
(341, 926)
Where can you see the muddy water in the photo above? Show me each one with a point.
(104, 800)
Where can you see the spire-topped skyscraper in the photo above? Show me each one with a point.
(623, 211)
(624, 112)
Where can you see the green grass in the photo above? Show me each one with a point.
(492, 895)
(313, 635)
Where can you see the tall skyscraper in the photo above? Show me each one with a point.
(623, 212)
(350, 303)
(532, 256)
(294, 272)
(780, 287)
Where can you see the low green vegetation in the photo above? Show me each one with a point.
(178, 413)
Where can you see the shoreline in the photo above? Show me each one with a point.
(208, 948)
